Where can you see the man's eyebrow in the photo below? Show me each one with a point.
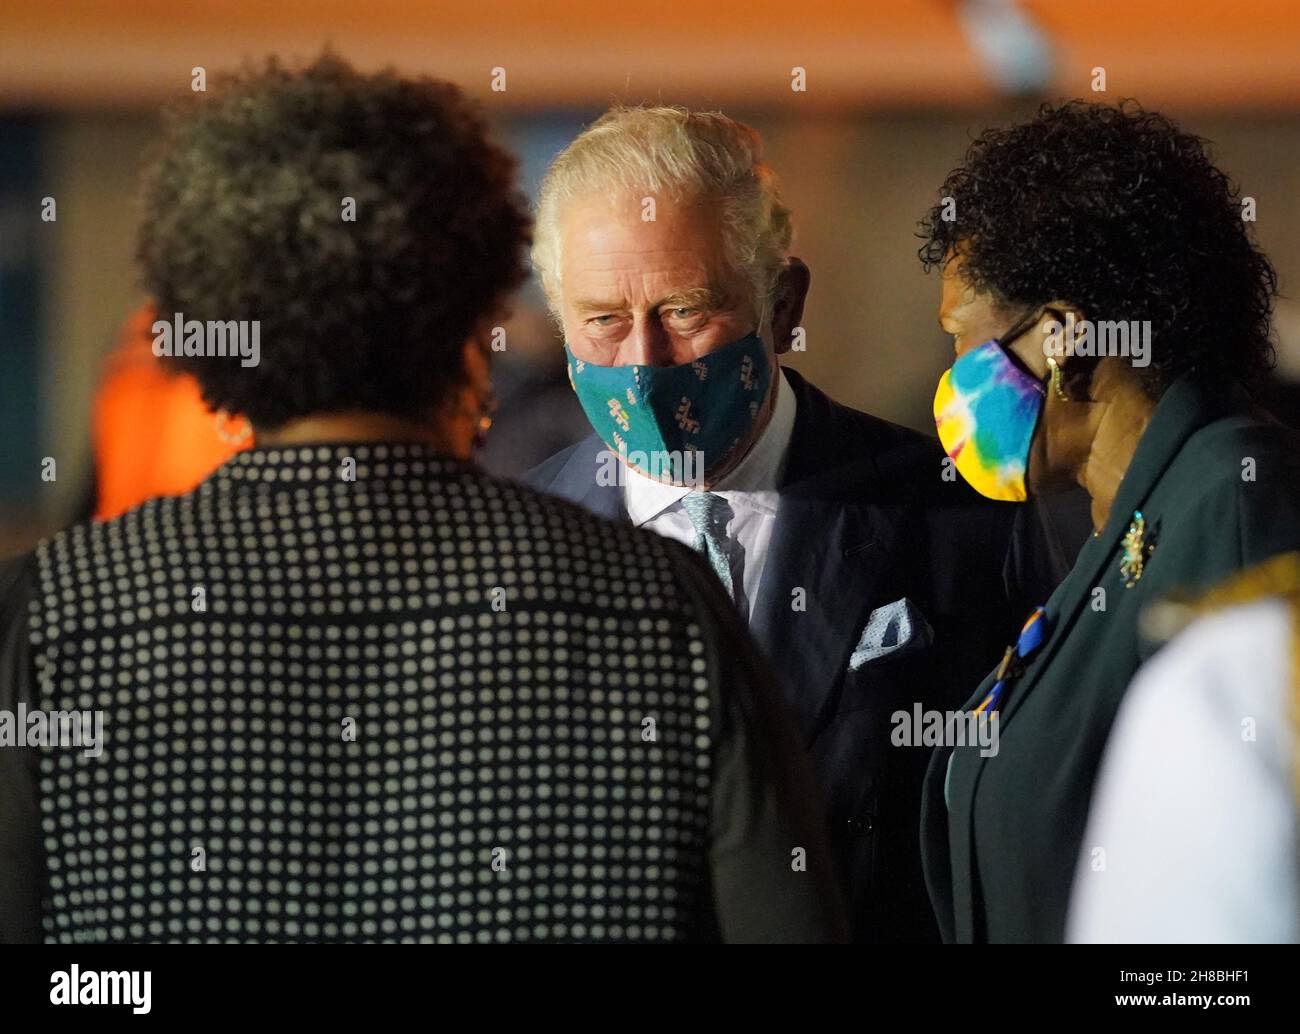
(598, 305)
(696, 298)
(707, 298)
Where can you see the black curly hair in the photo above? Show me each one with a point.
(1118, 211)
(243, 220)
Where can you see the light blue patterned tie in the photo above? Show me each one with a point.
(708, 514)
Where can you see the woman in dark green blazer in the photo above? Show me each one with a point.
(1050, 235)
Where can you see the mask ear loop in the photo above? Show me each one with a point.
(1020, 326)
(1018, 329)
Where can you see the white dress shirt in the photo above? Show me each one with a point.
(1195, 807)
(750, 489)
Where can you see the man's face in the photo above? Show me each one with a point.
(648, 292)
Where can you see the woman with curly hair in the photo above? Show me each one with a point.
(1109, 311)
(351, 687)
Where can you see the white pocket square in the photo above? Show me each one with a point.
(894, 630)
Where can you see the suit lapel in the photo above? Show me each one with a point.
(580, 480)
(827, 552)
(822, 567)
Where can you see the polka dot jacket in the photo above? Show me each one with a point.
(367, 693)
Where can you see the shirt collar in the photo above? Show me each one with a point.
(751, 485)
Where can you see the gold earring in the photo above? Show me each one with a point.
(487, 410)
(1056, 379)
(238, 438)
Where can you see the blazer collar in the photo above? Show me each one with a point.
(1183, 410)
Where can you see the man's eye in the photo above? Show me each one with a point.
(681, 312)
(601, 321)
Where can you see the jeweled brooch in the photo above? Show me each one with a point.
(1135, 550)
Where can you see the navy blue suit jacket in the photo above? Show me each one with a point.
(866, 518)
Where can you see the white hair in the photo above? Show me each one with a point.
(686, 154)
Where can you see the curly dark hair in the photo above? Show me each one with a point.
(1118, 211)
(243, 220)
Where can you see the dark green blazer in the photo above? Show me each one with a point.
(1219, 490)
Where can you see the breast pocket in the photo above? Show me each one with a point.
(893, 631)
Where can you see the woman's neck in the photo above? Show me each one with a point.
(1122, 411)
(364, 427)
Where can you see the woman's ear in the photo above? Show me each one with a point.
(476, 360)
(463, 417)
(1062, 326)
(1050, 338)
(1068, 344)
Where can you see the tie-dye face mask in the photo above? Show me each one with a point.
(986, 410)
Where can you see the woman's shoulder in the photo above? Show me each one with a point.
(1241, 475)
(1237, 453)
(1242, 435)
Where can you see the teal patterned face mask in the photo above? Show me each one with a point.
(656, 417)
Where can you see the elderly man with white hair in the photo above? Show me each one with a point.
(875, 582)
